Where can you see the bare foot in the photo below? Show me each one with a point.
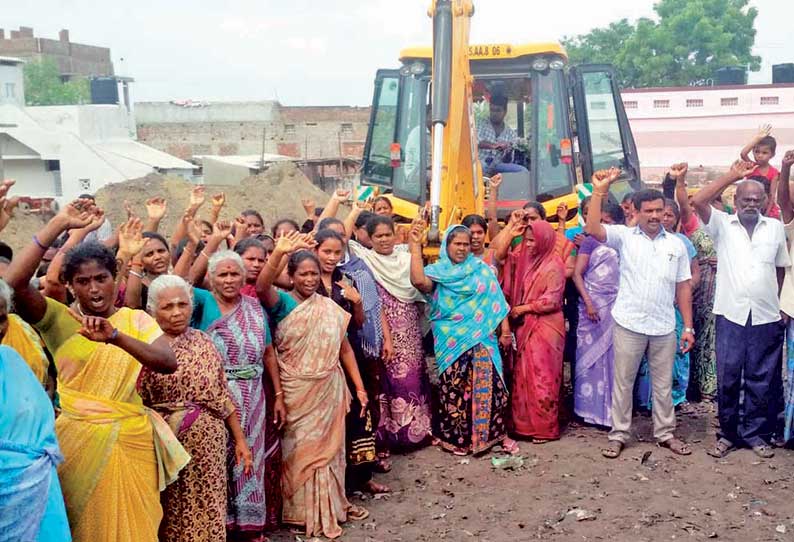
(374, 487)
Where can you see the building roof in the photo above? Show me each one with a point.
(122, 153)
(251, 161)
(11, 60)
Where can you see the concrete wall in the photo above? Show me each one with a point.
(229, 128)
(32, 178)
(90, 122)
(12, 83)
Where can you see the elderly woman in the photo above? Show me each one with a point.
(195, 402)
(467, 308)
(239, 329)
(111, 470)
(31, 503)
(311, 340)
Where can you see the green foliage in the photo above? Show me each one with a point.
(43, 85)
(689, 42)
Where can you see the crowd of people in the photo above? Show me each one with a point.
(224, 381)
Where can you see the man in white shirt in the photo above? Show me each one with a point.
(752, 256)
(496, 139)
(654, 277)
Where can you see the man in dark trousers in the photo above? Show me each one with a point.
(752, 258)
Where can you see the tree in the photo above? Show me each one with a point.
(691, 40)
(43, 85)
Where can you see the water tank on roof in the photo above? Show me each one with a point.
(731, 75)
(783, 73)
(104, 90)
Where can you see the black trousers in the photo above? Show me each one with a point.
(752, 354)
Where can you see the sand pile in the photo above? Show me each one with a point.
(275, 193)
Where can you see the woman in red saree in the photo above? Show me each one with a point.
(534, 282)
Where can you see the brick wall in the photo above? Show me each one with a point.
(71, 58)
(301, 132)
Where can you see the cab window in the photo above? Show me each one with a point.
(554, 177)
(377, 167)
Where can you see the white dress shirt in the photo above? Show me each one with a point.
(746, 268)
(649, 272)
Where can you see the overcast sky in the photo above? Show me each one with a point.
(318, 52)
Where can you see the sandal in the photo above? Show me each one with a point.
(721, 449)
(613, 449)
(764, 451)
(510, 446)
(357, 513)
(541, 440)
(677, 446)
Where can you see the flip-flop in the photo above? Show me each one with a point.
(510, 447)
(721, 449)
(678, 447)
(357, 513)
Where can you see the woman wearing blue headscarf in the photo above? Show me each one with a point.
(467, 308)
(31, 503)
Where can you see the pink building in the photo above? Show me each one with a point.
(706, 126)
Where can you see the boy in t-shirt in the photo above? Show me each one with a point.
(763, 146)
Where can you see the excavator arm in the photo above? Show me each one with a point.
(456, 185)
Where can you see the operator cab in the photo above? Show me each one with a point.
(543, 126)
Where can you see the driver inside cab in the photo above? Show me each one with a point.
(497, 140)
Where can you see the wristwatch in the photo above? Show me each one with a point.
(689, 330)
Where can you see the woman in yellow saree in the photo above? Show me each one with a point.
(118, 454)
(311, 340)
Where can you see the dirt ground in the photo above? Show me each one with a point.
(567, 491)
(275, 193)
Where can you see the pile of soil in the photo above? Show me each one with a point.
(276, 193)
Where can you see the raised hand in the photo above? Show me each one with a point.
(308, 206)
(295, 241)
(131, 240)
(417, 232)
(741, 169)
(763, 131)
(603, 178)
(219, 200)
(342, 195)
(197, 197)
(496, 180)
(788, 159)
(96, 220)
(562, 212)
(5, 186)
(191, 228)
(678, 171)
(222, 229)
(129, 210)
(75, 215)
(156, 208)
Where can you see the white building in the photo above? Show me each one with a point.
(706, 126)
(64, 151)
(12, 81)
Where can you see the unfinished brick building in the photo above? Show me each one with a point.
(73, 59)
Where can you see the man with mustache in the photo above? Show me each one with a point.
(753, 256)
(654, 277)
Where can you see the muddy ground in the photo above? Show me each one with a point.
(567, 491)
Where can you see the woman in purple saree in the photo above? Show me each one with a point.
(596, 276)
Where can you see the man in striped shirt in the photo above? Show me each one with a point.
(654, 277)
